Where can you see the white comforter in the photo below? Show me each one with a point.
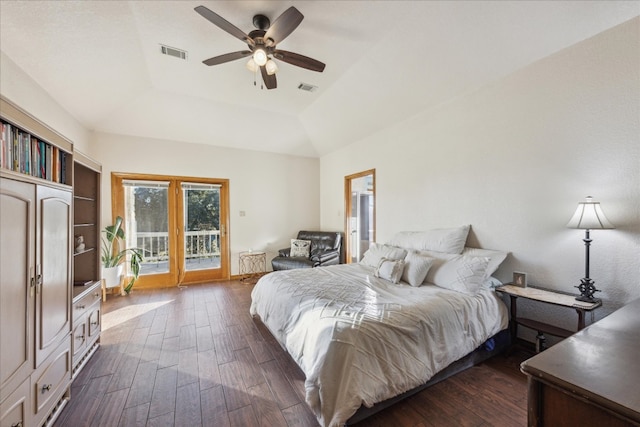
(360, 339)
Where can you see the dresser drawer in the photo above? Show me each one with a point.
(82, 305)
(15, 410)
(94, 321)
(79, 338)
(49, 381)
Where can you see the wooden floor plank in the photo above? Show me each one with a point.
(152, 347)
(243, 417)
(265, 407)
(251, 371)
(170, 353)
(214, 408)
(235, 392)
(195, 357)
(135, 416)
(110, 410)
(280, 387)
(204, 338)
(163, 398)
(143, 383)
(187, 367)
(188, 413)
(208, 372)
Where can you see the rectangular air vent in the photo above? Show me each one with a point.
(172, 51)
(307, 87)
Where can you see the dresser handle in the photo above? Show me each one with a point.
(18, 424)
(95, 323)
(80, 307)
(97, 294)
(46, 387)
(80, 337)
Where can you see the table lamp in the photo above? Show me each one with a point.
(588, 216)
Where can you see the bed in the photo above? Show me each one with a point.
(361, 338)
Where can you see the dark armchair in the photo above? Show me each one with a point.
(326, 249)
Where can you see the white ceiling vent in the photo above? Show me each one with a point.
(307, 87)
(172, 51)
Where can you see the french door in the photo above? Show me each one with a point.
(360, 213)
(180, 223)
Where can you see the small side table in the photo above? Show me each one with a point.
(547, 297)
(252, 265)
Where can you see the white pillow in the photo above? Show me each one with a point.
(377, 251)
(390, 269)
(460, 273)
(495, 258)
(416, 267)
(447, 240)
(300, 248)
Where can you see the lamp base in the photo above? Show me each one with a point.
(587, 289)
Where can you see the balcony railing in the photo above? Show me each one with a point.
(199, 244)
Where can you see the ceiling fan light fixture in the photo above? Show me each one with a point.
(252, 66)
(260, 56)
(271, 67)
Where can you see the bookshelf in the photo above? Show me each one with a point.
(86, 223)
(30, 148)
(87, 309)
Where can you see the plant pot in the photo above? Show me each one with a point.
(112, 276)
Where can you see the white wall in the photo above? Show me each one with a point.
(278, 193)
(513, 160)
(23, 91)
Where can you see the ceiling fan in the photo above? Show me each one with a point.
(262, 44)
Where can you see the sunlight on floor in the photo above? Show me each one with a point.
(125, 314)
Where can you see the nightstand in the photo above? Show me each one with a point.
(546, 297)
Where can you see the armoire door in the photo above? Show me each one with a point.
(53, 266)
(17, 251)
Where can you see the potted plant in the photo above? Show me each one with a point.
(113, 256)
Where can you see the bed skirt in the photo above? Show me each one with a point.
(493, 346)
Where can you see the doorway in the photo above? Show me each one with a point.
(360, 213)
(180, 223)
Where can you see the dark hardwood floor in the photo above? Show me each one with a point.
(194, 357)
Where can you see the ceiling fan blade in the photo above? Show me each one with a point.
(223, 24)
(299, 60)
(270, 81)
(221, 59)
(284, 25)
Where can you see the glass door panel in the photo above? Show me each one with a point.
(146, 219)
(201, 226)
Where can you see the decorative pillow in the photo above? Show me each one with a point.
(495, 258)
(300, 248)
(389, 269)
(460, 273)
(447, 240)
(416, 267)
(492, 282)
(377, 251)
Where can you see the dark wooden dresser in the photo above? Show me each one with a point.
(591, 378)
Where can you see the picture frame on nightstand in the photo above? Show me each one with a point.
(520, 279)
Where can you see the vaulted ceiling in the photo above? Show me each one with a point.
(386, 60)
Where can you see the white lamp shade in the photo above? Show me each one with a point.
(260, 56)
(252, 66)
(589, 216)
(271, 67)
